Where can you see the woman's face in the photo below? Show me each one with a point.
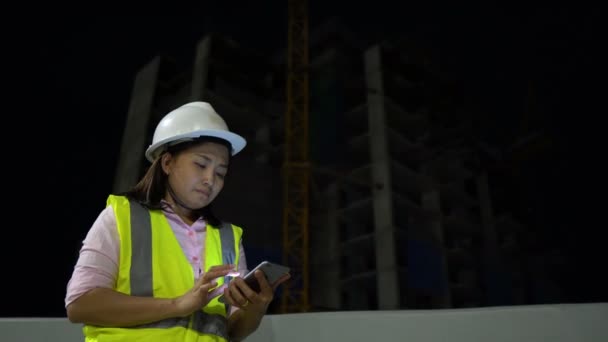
(196, 174)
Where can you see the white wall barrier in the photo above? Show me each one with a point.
(554, 323)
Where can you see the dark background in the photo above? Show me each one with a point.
(69, 84)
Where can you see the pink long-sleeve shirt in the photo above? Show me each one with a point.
(97, 265)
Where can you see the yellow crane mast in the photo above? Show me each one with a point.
(296, 167)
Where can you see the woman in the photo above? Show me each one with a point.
(156, 258)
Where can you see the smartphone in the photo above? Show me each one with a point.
(272, 271)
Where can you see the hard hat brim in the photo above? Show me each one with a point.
(236, 141)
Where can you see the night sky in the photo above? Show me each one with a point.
(70, 79)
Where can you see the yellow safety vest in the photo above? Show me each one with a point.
(153, 264)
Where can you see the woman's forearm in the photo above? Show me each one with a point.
(106, 307)
(243, 323)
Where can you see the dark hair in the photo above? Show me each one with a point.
(152, 187)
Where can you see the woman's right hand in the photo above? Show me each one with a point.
(198, 296)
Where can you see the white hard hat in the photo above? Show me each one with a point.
(188, 122)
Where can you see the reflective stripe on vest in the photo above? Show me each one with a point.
(141, 273)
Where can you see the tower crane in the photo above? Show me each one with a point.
(296, 164)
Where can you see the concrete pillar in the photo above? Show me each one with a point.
(131, 158)
(201, 69)
(431, 202)
(487, 215)
(494, 289)
(386, 260)
(334, 293)
(325, 254)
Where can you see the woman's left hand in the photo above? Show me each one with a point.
(239, 294)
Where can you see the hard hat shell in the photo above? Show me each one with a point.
(190, 121)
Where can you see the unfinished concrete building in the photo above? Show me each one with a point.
(401, 209)
(404, 213)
